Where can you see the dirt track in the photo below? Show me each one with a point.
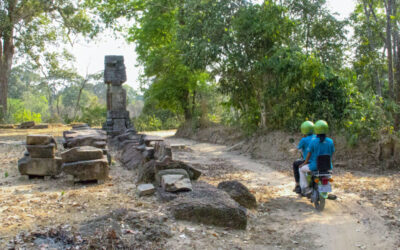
(357, 220)
(344, 224)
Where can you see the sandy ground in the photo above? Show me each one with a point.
(365, 216)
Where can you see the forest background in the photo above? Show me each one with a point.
(253, 66)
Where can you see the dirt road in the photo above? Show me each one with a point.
(283, 218)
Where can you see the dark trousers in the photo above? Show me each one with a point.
(296, 173)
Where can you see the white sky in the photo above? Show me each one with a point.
(91, 55)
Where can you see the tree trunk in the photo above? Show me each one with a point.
(397, 87)
(194, 102)
(186, 107)
(79, 98)
(372, 47)
(389, 46)
(6, 57)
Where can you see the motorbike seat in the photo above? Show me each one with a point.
(324, 163)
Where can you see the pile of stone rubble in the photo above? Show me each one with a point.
(86, 157)
(176, 183)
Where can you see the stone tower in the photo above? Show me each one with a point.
(117, 116)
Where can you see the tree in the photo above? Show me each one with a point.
(26, 26)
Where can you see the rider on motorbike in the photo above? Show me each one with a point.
(307, 129)
(321, 145)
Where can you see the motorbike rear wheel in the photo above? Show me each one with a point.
(319, 202)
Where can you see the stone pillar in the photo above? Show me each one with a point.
(117, 116)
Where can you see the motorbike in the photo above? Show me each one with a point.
(320, 182)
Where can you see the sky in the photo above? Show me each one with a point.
(90, 55)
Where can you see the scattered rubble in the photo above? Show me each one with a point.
(120, 229)
(146, 189)
(175, 183)
(170, 172)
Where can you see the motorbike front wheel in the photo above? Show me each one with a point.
(319, 201)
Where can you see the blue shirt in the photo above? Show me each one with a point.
(316, 148)
(304, 143)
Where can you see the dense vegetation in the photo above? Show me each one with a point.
(258, 66)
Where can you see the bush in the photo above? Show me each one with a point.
(17, 112)
(94, 115)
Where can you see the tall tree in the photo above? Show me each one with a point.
(389, 46)
(26, 26)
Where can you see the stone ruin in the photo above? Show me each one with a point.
(86, 156)
(117, 116)
(39, 159)
(175, 182)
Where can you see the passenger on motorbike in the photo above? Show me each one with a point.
(322, 145)
(307, 129)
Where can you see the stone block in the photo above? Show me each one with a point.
(209, 205)
(239, 192)
(41, 126)
(175, 183)
(118, 98)
(161, 150)
(146, 172)
(26, 125)
(119, 125)
(170, 172)
(87, 170)
(148, 154)
(39, 166)
(86, 137)
(167, 163)
(84, 153)
(80, 126)
(146, 189)
(39, 139)
(114, 70)
(42, 151)
(100, 144)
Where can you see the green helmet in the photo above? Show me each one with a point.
(307, 127)
(321, 127)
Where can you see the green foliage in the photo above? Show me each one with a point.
(147, 123)
(94, 114)
(365, 117)
(255, 66)
(20, 113)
